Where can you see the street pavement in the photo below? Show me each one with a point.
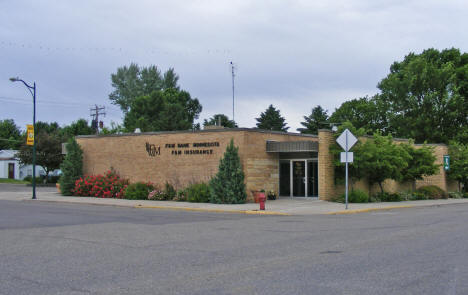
(284, 205)
(63, 248)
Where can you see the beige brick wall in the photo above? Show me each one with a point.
(262, 168)
(128, 156)
(440, 179)
(326, 170)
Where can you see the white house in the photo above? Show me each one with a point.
(11, 168)
(9, 165)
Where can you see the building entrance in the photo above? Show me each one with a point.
(299, 178)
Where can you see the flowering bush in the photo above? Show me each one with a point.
(109, 185)
(157, 195)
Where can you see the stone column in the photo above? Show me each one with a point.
(326, 170)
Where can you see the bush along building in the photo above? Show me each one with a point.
(288, 164)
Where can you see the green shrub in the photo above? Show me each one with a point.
(387, 197)
(181, 196)
(169, 192)
(455, 195)
(39, 179)
(465, 195)
(417, 196)
(432, 192)
(138, 191)
(198, 193)
(354, 196)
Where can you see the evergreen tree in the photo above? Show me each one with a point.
(314, 121)
(271, 120)
(72, 167)
(227, 186)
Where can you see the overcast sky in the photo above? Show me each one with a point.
(292, 54)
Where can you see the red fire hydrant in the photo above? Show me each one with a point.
(261, 200)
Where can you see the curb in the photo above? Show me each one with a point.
(251, 212)
(370, 210)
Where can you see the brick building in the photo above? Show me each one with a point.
(291, 164)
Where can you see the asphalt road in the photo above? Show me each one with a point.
(51, 248)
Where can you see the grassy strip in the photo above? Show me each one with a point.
(14, 181)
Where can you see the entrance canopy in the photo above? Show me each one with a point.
(291, 146)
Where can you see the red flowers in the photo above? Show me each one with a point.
(109, 185)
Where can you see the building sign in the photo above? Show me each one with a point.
(178, 149)
(30, 135)
(153, 150)
(446, 162)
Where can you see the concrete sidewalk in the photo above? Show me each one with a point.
(282, 206)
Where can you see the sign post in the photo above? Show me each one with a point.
(346, 140)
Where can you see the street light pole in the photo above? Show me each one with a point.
(33, 93)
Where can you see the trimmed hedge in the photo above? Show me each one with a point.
(354, 196)
(198, 193)
(138, 191)
(432, 192)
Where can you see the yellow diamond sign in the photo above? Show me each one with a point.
(30, 135)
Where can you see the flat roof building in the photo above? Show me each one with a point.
(290, 164)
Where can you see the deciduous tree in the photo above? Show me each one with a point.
(163, 110)
(459, 163)
(134, 81)
(10, 135)
(420, 164)
(220, 118)
(48, 152)
(427, 95)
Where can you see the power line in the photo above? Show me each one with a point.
(95, 112)
(50, 102)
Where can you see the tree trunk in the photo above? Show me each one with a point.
(381, 187)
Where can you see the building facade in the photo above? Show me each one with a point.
(290, 164)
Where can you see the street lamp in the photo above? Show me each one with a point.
(31, 89)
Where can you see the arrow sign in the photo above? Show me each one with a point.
(346, 140)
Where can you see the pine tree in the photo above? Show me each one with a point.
(271, 120)
(227, 186)
(72, 167)
(314, 121)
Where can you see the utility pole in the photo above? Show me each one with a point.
(233, 75)
(95, 112)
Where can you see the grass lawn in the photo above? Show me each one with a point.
(16, 181)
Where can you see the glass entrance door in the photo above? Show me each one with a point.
(298, 178)
(312, 178)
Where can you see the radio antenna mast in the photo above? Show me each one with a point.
(233, 75)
